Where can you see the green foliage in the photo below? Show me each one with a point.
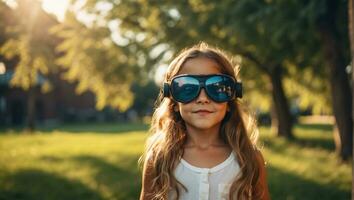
(99, 161)
(96, 62)
(29, 41)
(266, 34)
(308, 89)
(91, 58)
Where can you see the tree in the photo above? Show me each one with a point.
(335, 50)
(351, 37)
(90, 56)
(31, 43)
(270, 34)
(181, 24)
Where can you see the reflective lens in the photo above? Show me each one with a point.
(185, 89)
(219, 88)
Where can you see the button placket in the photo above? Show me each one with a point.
(204, 185)
(223, 191)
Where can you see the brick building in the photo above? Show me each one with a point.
(60, 104)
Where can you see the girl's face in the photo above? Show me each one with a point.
(201, 113)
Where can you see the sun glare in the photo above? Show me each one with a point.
(160, 74)
(57, 7)
(2, 68)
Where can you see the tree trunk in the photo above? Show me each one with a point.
(340, 90)
(282, 120)
(282, 123)
(351, 39)
(274, 119)
(31, 110)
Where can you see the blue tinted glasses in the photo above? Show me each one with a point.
(218, 87)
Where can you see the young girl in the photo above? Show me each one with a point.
(200, 147)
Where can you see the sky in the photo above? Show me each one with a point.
(56, 7)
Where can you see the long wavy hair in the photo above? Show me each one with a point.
(164, 148)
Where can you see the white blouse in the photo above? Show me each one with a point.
(206, 183)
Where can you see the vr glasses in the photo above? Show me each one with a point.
(219, 87)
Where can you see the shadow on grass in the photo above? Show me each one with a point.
(318, 143)
(318, 127)
(119, 182)
(306, 138)
(284, 185)
(325, 142)
(32, 184)
(321, 143)
(122, 183)
(315, 143)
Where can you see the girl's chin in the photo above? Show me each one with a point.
(204, 126)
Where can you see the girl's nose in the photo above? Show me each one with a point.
(203, 97)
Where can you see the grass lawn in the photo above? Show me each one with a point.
(99, 161)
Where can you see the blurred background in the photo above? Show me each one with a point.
(79, 79)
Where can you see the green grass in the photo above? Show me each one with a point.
(306, 168)
(99, 161)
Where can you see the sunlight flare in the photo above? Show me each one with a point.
(56, 7)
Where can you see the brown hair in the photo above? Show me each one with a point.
(164, 147)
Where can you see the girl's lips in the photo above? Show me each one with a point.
(202, 111)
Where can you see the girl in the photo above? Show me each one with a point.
(200, 147)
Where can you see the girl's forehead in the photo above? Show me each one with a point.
(200, 66)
